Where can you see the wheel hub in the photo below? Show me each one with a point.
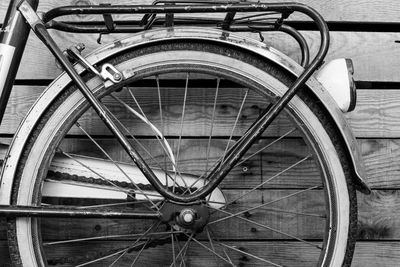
(191, 218)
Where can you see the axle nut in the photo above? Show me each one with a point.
(187, 216)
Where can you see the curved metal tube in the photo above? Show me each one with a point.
(305, 50)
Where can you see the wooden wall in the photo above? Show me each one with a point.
(376, 121)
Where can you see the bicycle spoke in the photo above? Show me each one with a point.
(227, 256)
(210, 250)
(102, 258)
(161, 139)
(154, 225)
(262, 205)
(252, 155)
(162, 121)
(149, 154)
(183, 248)
(117, 165)
(173, 247)
(234, 125)
(269, 180)
(212, 124)
(125, 191)
(183, 255)
(96, 173)
(267, 146)
(231, 215)
(286, 211)
(223, 249)
(250, 255)
(102, 237)
(113, 204)
(181, 127)
(211, 244)
(167, 151)
(140, 253)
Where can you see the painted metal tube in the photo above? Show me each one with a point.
(31, 211)
(13, 37)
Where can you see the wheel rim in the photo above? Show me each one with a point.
(215, 234)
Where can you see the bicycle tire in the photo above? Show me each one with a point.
(335, 236)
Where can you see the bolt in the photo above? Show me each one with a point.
(188, 218)
(80, 47)
(245, 169)
(117, 76)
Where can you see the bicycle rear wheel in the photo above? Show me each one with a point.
(288, 202)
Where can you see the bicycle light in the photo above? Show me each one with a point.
(337, 78)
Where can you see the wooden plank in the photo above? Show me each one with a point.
(277, 252)
(371, 254)
(379, 219)
(335, 10)
(367, 254)
(381, 158)
(366, 50)
(5, 260)
(198, 114)
(289, 155)
(376, 115)
(308, 227)
(379, 215)
(196, 255)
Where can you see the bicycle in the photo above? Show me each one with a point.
(220, 137)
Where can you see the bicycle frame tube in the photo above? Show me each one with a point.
(13, 37)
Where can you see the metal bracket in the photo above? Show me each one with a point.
(29, 14)
(108, 20)
(108, 71)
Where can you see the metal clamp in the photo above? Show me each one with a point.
(108, 71)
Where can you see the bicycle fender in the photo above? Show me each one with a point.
(179, 33)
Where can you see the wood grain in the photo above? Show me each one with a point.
(366, 49)
(308, 227)
(379, 219)
(383, 254)
(377, 114)
(376, 118)
(379, 215)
